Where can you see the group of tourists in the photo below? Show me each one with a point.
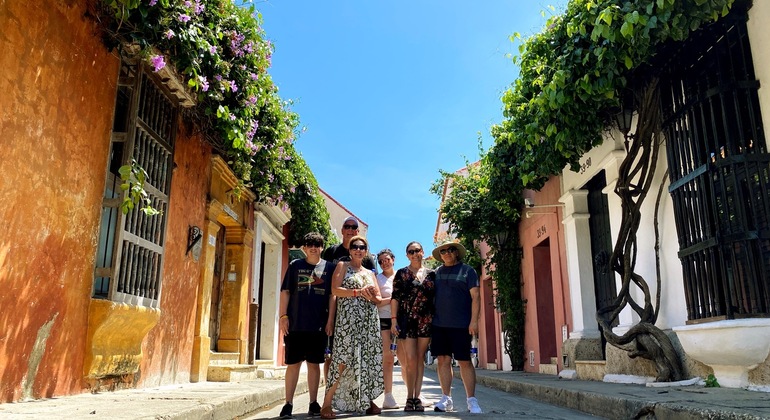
(335, 310)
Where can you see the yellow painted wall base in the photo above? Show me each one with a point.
(229, 345)
(115, 335)
(200, 359)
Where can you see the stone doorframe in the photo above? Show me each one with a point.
(230, 211)
(269, 221)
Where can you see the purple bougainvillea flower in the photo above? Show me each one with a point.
(184, 18)
(153, 2)
(213, 49)
(158, 62)
(204, 83)
(233, 86)
(169, 34)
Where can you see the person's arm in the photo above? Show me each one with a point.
(394, 303)
(473, 328)
(384, 301)
(283, 307)
(332, 313)
(329, 329)
(337, 289)
(376, 296)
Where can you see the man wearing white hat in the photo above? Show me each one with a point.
(455, 323)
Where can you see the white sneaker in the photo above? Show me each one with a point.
(473, 405)
(444, 405)
(389, 402)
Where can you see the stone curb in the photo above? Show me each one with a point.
(235, 406)
(608, 406)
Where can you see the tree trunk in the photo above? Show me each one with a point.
(634, 181)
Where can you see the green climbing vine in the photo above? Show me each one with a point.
(571, 81)
(222, 54)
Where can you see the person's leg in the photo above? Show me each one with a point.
(468, 374)
(313, 380)
(408, 366)
(290, 381)
(387, 362)
(445, 375)
(422, 348)
(328, 357)
(331, 390)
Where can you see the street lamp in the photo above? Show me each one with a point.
(502, 238)
(624, 118)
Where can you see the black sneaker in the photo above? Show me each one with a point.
(314, 410)
(286, 412)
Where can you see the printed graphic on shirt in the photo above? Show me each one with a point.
(314, 279)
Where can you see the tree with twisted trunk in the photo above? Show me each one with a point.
(635, 179)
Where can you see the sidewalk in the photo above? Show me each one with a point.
(204, 400)
(216, 400)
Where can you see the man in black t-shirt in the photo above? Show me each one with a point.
(307, 315)
(340, 252)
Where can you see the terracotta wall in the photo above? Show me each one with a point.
(58, 85)
(168, 347)
(544, 316)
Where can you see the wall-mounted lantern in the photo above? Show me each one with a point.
(194, 243)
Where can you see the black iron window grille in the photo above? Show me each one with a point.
(129, 258)
(719, 172)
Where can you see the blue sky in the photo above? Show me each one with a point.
(392, 91)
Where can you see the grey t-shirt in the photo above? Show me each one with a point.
(453, 296)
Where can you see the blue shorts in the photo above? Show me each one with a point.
(451, 342)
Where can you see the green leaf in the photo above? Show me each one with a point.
(629, 63)
(627, 29)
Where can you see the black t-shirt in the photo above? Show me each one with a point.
(310, 287)
(337, 253)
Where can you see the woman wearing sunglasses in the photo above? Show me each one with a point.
(355, 376)
(411, 308)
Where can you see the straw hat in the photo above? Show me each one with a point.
(446, 244)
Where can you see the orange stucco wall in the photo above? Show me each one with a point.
(547, 313)
(59, 83)
(168, 347)
(58, 92)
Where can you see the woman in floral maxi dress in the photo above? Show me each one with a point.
(355, 376)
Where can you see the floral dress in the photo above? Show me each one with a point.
(415, 302)
(357, 345)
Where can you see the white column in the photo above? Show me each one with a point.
(627, 317)
(268, 232)
(271, 300)
(577, 235)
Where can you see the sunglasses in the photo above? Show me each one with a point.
(351, 227)
(358, 247)
(450, 249)
(314, 244)
(382, 261)
(413, 251)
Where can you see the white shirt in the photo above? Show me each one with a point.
(386, 290)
